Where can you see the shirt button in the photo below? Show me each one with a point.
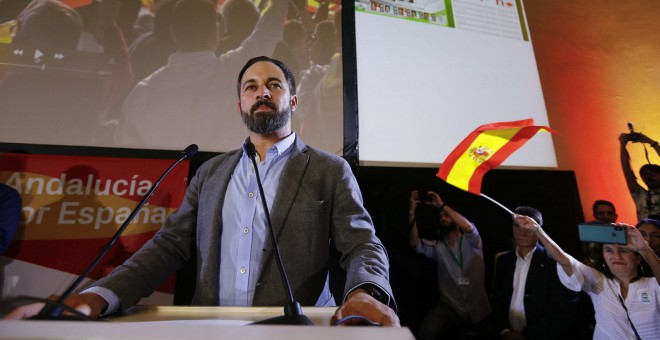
(245, 230)
(242, 270)
(251, 194)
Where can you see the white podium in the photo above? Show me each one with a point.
(176, 322)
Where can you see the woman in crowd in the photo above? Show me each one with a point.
(650, 230)
(626, 304)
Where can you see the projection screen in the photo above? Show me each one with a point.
(431, 71)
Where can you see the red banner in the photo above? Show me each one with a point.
(73, 205)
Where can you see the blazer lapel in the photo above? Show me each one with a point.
(286, 193)
(288, 188)
(536, 267)
(509, 267)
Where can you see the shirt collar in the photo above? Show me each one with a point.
(526, 257)
(278, 149)
(284, 145)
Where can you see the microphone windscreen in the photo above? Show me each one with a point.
(251, 151)
(190, 151)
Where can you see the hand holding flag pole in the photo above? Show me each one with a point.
(496, 202)
(483, 149)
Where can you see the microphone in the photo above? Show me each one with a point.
(54, 309)
(292, 311)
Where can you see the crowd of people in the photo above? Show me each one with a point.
(539, 291)
(168, 82)
(222, 222)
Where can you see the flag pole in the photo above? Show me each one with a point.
(496, 202)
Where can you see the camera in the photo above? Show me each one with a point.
(424, 196)
(427, 218)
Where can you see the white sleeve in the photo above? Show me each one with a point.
(583, 277)
(425, 249)
(108, 296)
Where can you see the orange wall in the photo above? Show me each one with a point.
(599, 65)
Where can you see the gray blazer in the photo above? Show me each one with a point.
(318, 201)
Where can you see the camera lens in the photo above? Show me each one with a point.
(618, 228)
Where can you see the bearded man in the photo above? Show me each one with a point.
(463, 307)
(313, 199)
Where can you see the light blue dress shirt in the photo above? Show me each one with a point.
(244, 223)
(244, 227)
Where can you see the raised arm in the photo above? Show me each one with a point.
(642, 138)
(114, 43)
(553, 249)
(463, 224)
(413, 237)
(263, 39)
(637, 243)
(628, 172)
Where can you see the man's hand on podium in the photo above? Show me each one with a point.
(359, 302)
(88, 303)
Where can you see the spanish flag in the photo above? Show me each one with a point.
(483, 149)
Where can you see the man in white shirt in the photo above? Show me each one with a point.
(528, 300)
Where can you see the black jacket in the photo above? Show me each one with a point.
(550, 308)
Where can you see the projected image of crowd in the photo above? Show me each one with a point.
(160, 74)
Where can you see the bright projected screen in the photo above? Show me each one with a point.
(431, 71)
(68, 88)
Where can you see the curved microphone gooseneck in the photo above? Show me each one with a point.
(53, 311)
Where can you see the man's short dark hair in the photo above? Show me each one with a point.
(602, 202)
(531, 212)
(653, 221)
(194, 23)
(52, 25)
(241, 16)
(288, 75)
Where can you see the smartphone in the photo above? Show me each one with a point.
(602, 233)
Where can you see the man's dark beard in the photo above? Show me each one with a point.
(447, 228)
(266, 121)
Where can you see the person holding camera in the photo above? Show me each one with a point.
(626, 303)
(463, 307)
(647, 202)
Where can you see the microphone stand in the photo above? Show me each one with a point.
(292, 311)
(54, 309)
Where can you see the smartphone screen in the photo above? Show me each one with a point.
(602, 233)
